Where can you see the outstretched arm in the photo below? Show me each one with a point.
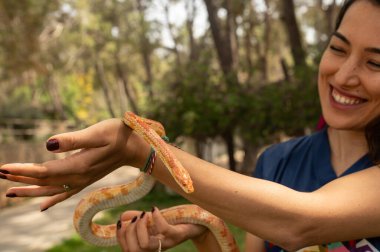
(340, 210)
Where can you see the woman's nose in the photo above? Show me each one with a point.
(348, 73)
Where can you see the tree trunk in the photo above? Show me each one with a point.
(55, 96)
(226, 46)
(124, 80)
(172, 35)
(294, 35)
(262, 49)
(200, 148)
(191, 12)
(145, 49)
(285, 69)
(103, 81)
(231, 36)
(250, 158)
(221, 42)
(229, 139)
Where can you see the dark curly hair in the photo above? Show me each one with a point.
(372, 130)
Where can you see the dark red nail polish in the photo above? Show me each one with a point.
(11, 195)
(118, 225)
(3, 176)
(153, 208)
(43, 210)
(4, 171)
(142, 215)
(134, 219)
(52, 145)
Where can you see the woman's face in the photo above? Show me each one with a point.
(349, 72)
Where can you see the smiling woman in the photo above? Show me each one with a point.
(349, 77)
(314, 193)
(350, 70)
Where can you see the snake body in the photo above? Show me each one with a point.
(110, 197)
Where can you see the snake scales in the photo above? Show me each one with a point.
(104, 198)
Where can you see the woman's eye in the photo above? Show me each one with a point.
(336, 49)
(374, 64)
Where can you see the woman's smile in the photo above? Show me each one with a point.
(343, 100)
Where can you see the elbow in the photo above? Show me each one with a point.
(294, 244)
(300, 235)
(291, 242)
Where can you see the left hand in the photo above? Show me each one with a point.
(148, 231)
(104, 147)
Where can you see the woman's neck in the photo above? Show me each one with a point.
(346, 148)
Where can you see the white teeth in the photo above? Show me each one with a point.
(344, 100)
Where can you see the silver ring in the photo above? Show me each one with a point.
(66, 188)
(159, 245)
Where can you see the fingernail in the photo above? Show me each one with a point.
(134, 219)
(52, 144)
(11, 195)
(118, 225)
(142, 215)
(3, 176)
(153, 208)
(4, 171)
(43, 210)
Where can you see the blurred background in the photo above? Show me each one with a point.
(225, 77)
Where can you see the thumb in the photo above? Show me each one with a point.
(91, 137)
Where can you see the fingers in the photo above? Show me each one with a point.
(126, 235)
(135, 234)
(120, 235)
(78, 163)
(142, 232)
(24, 169)
(131, 236)
(51, 201)
(56, 193)
(34, 191)
(160, 223)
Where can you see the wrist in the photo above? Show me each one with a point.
(137, 151)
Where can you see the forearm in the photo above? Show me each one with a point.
(268, 207)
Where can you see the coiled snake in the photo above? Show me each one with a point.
(104, 198)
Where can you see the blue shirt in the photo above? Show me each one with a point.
(304, 164)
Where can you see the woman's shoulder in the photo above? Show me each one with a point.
(294, 151)
(298, 144)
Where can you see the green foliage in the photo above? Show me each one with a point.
(203, 107)
(287, 107)
(21, 102)
(48, 51)
(193, 106)
(78, 94)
